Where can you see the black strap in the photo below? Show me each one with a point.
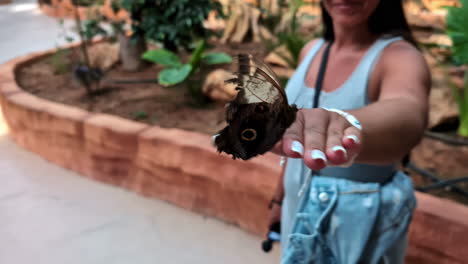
(321, 74)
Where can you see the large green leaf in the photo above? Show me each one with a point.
(163, 57)
(216, 58)
(463, 106)
(457, 29)
(174, 75)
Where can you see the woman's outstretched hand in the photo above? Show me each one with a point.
(321, 138)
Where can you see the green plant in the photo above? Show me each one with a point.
(60, 61)
(87, 2)
(174, 23)
(175, 71)
(457, 29)
(139, 115)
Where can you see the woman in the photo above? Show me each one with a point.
(356, 207)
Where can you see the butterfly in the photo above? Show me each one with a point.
(259, 115)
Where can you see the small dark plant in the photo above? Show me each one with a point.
(83, 73)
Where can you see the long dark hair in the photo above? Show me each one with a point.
(388, 19)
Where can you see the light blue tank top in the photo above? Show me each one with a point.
(351, 95)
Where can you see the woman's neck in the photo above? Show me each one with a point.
(354, 38)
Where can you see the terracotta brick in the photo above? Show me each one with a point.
(63, 150)
(28, 111)
(203, 195)
(21, 111)
(158, 146)
(118, 171)
(193, 153)
(7, 70)
(182, 167)
(439, 231)
(5, 77)
(8, 88)
(116, 133)
(112, 144)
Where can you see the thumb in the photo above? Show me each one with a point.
(293, 138)
(278, 148)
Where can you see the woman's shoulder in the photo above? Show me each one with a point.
(403, 55)
(307, 48)
(401, 51)
(401, 66)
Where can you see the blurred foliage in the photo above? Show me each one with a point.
(287, 36)
(60, 61)
(271, 20)
(457, 29)
(174, 23)
(95, 23)
(87, 2)
(139, 115)
(175, 71)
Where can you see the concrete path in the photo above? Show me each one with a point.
(53, 216)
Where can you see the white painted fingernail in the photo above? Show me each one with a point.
(297, 147)
(317, 154)
(339, 148)
(213, 138)
(354, 138)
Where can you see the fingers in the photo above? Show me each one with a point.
(321, 138)
(315, 134)
(292, 145)
(352, 142)
(306, 138)
(335, 150)
(278, 148)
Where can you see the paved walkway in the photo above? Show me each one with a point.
(53, 216)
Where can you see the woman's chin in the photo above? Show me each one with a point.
(347, 21)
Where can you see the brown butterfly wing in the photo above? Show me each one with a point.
(257, 82)
(259, 115)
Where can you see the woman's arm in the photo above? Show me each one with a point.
(392, 124)
(396, 121)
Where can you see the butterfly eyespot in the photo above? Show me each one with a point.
(248, 134)
(261, 109)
